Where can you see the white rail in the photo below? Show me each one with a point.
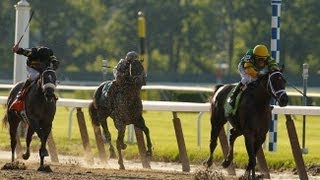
(180, 107)
(157, 87)
(186, 106)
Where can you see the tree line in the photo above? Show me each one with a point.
(182, 36)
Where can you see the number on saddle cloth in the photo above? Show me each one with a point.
(230, 111)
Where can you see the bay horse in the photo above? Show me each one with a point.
(40, 109)
(251, 119)
(126, 109)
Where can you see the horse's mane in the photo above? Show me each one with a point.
(260, 79)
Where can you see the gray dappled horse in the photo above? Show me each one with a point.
(124, 109)
(40, 108)
(252, 118)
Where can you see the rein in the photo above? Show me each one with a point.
(276, 94)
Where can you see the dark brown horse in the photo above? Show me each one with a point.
(126, 109)
(252, 118)
(40, 108)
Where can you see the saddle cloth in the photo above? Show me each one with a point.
(230, 111)
(101, 98)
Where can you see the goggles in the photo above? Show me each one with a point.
(260, 58)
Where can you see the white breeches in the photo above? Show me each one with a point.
(245, 78)
(32, 73)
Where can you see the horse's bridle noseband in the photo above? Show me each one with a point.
(276, 94)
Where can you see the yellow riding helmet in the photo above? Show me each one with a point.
(260, 51)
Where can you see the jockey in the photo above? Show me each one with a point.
(39, 59)
(254, 63)
(122, 73)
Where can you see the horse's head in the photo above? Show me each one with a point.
(276, 86)
(137, 74)
(48, 84)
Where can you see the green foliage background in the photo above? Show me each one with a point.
(184, 37)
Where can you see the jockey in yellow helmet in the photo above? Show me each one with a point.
(255, 62)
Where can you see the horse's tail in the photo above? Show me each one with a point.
(93, 106)
(215, 90)
(93, 112)
(5, 121)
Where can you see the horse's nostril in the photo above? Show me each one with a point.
(283, 101)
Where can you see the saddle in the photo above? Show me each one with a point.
(21, 110)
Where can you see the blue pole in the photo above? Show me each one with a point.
(275, 53)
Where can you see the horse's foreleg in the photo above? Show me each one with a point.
(30, 133)
(120, 144)
(233, 136)
(43, 150)
(107, 135)
(146, 131)
(249, 141)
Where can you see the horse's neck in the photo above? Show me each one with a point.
(133, 91)
(261, 92)
(35, 88)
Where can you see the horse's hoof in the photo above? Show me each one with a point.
(45, 168)
(121, 167)
(149, 153)
(260, 176)
(124, 146)
(207, 163)
(113, 155)
(43, 152)
(226, 163)
(25, 156)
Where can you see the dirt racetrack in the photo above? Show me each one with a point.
(75, 172)
(74, 168)
(71, 167)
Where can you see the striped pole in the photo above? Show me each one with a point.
(142, 57)
(142, 35)
(275, 53)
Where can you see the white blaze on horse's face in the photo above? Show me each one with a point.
(276, 83)
(50, 81)
(49, 85)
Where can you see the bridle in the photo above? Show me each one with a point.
(276, 94)
(48, 83)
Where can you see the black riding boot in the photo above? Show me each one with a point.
(235, 92)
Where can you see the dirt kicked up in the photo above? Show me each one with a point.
(71, 168)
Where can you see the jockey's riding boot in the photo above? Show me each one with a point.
(18, 103)
(235, 92)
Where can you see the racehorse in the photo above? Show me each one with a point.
(126, 109)
(40, 109)
(251, 119)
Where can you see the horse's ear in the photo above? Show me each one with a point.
(282, 68)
